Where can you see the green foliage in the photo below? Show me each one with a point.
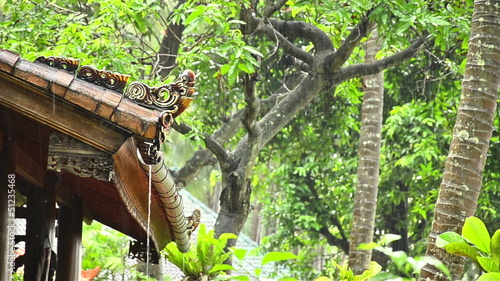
(402, 266)
(476, 244)
(17, 276)
(408, 267)
(346, 273)
(241, 254)
(104, 247)
(111, 34)
(306, 175)
(205, 259)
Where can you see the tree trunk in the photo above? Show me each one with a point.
(464, 166)
(255, 225)
(365, 198)
(234, 206)
(169, 47)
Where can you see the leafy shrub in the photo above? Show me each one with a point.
(476, 244)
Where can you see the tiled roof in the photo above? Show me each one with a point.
(54, 95)
(102, 102)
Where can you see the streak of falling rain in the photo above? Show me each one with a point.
(149, 222)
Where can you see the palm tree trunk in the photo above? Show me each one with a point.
(464, 166)
(365, 198)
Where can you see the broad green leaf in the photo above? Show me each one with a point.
(462, 249)
(367, 246)
(195, 14)
(253, 51)
(495, 247)
(221, 267)
(226, 236)
(448, 237)
(258, 271)
(374, 269)
(232, 74)
(277, 256)
(244, 68)
(487, 264)
(492, 276)
(224, 69)
(439, 22)
(388, 238)
(475, 232)
(239, 253)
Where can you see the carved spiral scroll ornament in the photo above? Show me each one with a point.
(105, 78)
(67, 64)
(172, 99)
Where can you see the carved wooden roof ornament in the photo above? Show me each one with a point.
(67, 64)
(172, 99)
(131, 165)
(78, 158)
(105, 78)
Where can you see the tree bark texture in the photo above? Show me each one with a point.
(234, 208)
(169, 46)
(365, 197)
(472, 132)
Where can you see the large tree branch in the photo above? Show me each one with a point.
(205, 157)
(272, 7)
(299, 29)
(285, 110)
(253, 128)
(285, 32)
(335, 241)
(263, 26)
(338, 58)
(288, 46)
(359, 70)
(218, 150)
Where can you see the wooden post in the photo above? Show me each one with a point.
(5, 219)
(70, 241)
(40, 230)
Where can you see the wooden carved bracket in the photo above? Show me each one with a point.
(78, 158)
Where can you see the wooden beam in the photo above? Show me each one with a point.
(70, 241)
(70, 120)
(40, 230)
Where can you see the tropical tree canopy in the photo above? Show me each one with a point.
(274, 134)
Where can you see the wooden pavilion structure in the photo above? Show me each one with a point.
(80, 145)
